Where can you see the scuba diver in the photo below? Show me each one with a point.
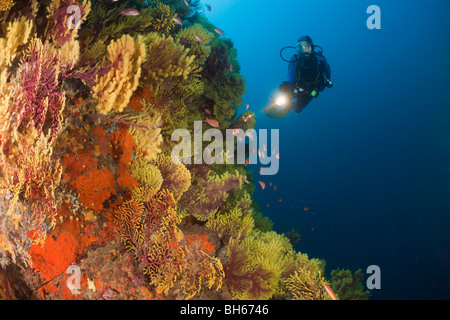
(308, 74)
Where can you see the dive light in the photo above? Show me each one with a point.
(281, 100)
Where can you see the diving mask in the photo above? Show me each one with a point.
(304, 47)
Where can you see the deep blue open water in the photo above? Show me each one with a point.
(369, 157)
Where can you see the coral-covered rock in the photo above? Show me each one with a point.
(95, 187)
(55, 255)
(86, 118)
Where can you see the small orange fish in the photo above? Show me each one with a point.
(246, 106)
(235, 131)
(247, 117)
(250, 135)
(280, 199)
(268, 205)
(277, 155)
(208, 112)
(273, 152)
(200, 39)
(327, 288)
(211, 122)
(275, 187)
(130, 12)
(186, 2)
(312, 229)
(305, 208)
(177, 21)
(247, 161)
(208, 7)
(218, 31)
(263, 185)
(264, 147)
(231, 67)
(270, 183)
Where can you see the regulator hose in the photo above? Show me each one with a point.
(289, 47)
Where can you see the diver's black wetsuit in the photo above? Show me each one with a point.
(307, 72)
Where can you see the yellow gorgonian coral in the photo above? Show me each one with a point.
(115, 88)
(145, 129)
(70, 52)
(196, 38)
(17, 34)
(307, 285)
(146, 173)
(35, 177)
(177, 178)
(165, 59)
(265, 254)
(207, 195)
(148, 227)
(163, 21)
(200, 269)
(233, 224)
(147, 134)
(6, 4)
(8, 94)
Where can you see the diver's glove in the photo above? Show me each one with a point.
(285, 87)
(328, 83)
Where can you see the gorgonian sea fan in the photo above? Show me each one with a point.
(148, 227)
(40, 75)
(244, 282)
(65, 17)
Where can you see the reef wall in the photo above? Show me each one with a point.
(91, 204)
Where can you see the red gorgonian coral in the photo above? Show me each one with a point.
(41, 74)
(239, 278)
(64, 19)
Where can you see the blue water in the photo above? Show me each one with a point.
(369, 157)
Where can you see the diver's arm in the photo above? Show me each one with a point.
(276, 112)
